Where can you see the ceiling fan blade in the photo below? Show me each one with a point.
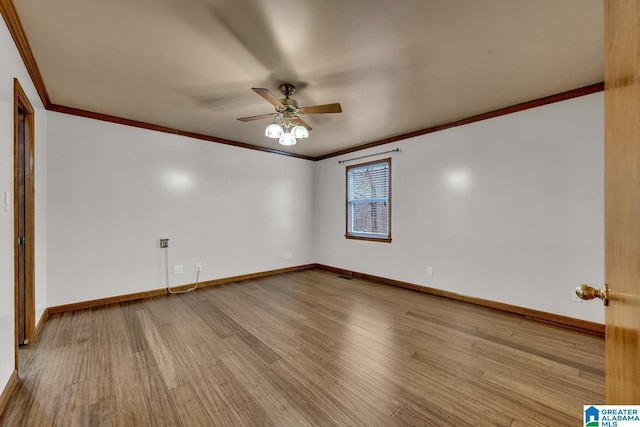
(303, 123)
(251, 118)
(266, 94)
(247, 23)
(322, 109)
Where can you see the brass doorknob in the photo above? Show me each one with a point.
(586, 292)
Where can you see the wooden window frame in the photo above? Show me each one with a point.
(347, 234)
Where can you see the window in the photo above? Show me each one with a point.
(369, 201)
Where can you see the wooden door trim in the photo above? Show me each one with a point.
(20, 101)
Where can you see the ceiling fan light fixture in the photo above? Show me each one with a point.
(287, 126)
(300, 132)
(287, 139)
(274, 131)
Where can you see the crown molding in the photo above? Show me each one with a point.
(10, 16)
(158, 128)
(563, 96)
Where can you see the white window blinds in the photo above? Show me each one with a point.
(368, 200)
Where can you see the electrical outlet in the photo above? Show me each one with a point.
(287, 255)
(178, 269)
(429, 271)
(198, 266)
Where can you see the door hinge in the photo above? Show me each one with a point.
(21, 241)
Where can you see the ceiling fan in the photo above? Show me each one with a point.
(287, 125)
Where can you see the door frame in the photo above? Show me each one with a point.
(21, 102)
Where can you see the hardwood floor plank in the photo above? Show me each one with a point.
(136, 334)
(22, 399)
(225, 326)
(189, 407)
(74, 408)
(250, 377)
(248, 408)
(107, 320)
(448, 389)
(213, 318)
(219, 395)
(548, 404)
(170, 367)
(187, 354)
(130, 402)
(103, 412)
(327, 397)
(81, 324)
(304, 348)
(64, 331)
(409, 417)
(159, 403)
(46, 404)
(174, 311)
(218, 404)
(101, 376)
(326, 375)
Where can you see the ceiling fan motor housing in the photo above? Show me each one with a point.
(290, 105)
(287, 89)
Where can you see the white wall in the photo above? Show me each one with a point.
(525, 229)
(114, 191)
(13, 67)
(509, 209)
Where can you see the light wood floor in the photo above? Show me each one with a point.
(305, 348)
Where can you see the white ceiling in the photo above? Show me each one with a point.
(396, 66)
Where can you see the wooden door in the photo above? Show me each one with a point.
(24, 218)
(20, 228)
(622, 200)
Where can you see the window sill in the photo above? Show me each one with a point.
(372, 239)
